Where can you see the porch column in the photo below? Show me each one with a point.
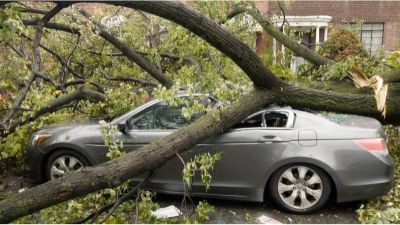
(325, 34)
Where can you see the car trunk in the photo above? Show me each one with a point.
(354, 126)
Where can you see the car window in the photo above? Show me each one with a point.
(158, 116)
(276, 119)
(254, 121)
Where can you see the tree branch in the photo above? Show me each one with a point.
(18, 52)
(220, 71)
(127, 196)
(62, 61)
(35, 65)
(132, 79)
(56, 104)
(33, 10)
(53, 26)
(66, 67)
(288, 42)
(130, 53)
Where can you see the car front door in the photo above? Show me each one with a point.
(150, 124)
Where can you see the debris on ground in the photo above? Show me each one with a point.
(166, 212)
(263, 219)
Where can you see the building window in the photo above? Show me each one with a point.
(372, 36)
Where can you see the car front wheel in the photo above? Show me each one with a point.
(300, 188)
(63, 162)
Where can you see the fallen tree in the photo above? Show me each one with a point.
(268, 89)
(299, 49)
(378, 82)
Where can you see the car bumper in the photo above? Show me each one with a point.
(372, 186)
(365, 192)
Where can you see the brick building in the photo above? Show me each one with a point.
(380, 28)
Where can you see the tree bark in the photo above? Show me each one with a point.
(115, 172)
(340, 102)
(53, 26)
(391, 76)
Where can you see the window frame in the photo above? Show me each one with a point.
(369, 46)
(147, 130)
(289, 124)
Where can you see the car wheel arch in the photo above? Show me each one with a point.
(304, 161)
(53, 150)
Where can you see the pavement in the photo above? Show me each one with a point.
(235, 212)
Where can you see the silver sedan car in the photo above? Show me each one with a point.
(298, 159)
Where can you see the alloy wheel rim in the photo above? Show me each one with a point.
(64, 165)
(300, 187)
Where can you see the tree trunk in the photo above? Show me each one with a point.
(115, 172)
(341, 103)
(391, 76)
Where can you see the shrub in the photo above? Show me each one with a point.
(343, 43)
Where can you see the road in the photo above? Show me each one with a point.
(234, 212)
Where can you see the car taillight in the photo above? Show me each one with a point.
(376, 144)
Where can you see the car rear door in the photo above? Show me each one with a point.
(247, 152)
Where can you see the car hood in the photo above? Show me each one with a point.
(70, 126)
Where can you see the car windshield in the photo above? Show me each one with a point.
(168, 117)
(336, 118)
(349, 120)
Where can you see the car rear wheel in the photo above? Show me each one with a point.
(300, 188)
(63, 162)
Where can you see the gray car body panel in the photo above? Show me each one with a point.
(249, 155)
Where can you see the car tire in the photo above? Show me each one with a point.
(64, 161)
(300, 188)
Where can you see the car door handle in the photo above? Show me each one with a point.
(269, 138)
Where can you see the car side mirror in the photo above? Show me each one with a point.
(123, 128)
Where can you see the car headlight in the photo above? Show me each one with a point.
(40, 138)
